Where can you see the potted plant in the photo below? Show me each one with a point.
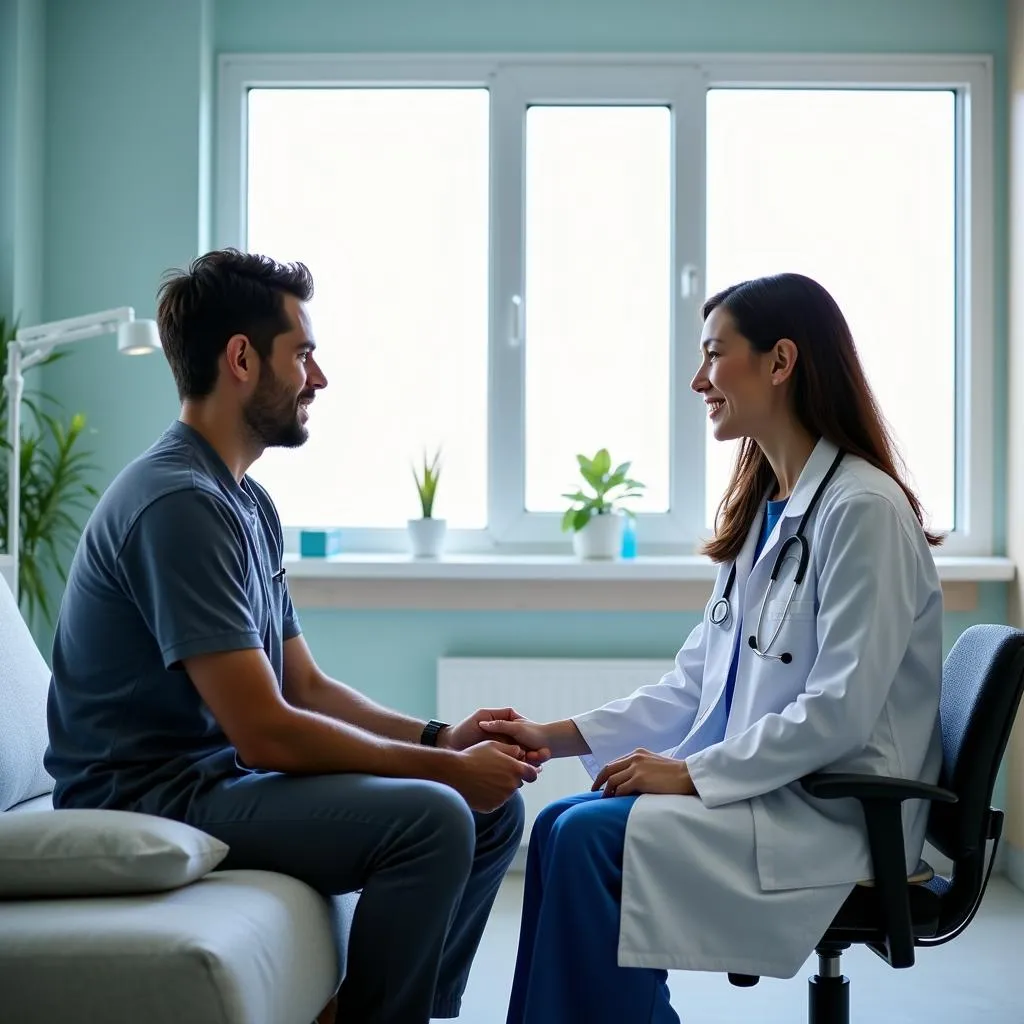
(596, 519)
(55, 491)
(427, 533)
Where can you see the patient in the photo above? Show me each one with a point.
(182, 685)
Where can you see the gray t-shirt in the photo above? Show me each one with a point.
(176, 560)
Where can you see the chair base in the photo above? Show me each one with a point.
(828, 992)
(828, 1000)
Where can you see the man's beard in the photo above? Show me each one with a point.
(272, 414)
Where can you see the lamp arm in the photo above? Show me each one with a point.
(76, 328)
(31, 345)
(35, 357)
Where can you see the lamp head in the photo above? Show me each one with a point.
(138, 337)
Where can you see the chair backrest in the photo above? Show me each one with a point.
(24, 681)
(982, 683)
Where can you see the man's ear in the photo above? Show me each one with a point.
(784, 359)
(241, 358)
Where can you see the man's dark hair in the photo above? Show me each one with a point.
(224, 293)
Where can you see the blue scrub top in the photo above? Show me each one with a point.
(772, 515)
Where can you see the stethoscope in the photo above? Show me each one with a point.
(721, 609)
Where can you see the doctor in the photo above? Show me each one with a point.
(820, 649)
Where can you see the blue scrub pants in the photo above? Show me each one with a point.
(567, 966)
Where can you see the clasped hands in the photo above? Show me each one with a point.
(504, 726)
(639, 772)
(497, 752)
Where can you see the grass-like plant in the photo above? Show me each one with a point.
(426, 483)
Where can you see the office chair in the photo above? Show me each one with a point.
(982, 682)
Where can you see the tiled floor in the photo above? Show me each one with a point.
(976, 979)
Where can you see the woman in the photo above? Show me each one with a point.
(710, 856)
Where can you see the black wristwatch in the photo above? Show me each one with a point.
(431, 731)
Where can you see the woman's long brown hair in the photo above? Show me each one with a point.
(830, 395)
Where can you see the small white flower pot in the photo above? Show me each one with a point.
(600, 538)
(427, 537)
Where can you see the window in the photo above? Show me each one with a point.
(511, 256)
(856, 189)
(598, 276)
(383, 194)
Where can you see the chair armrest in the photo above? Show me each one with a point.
(881, 799)
(829, 786)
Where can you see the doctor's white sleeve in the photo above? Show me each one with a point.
(867, 594)
(657, 716)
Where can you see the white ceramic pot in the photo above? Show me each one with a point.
(427, 537)
(600, 538)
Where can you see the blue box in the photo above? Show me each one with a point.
(319, 543)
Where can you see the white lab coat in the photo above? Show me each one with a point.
(747, 876)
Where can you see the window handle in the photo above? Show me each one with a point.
(515, 338)
(689, 281)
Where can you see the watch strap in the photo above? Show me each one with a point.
(431, 731)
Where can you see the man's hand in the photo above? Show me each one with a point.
(644, 772)
(505, 725)
(489, 773)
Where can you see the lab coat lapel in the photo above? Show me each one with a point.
(810, 476)
(807, 483)
(726, 642)
(745, 562)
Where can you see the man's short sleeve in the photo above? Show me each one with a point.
(291, 627)
(185, 565)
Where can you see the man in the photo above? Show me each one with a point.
(182, 685)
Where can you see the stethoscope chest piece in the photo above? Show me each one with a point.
(720, 612)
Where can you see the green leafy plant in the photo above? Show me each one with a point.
(426, 483)
(54, 485)
(610, 489)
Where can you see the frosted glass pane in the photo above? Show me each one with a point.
(856, 189)
(598, 247)
(384, 194)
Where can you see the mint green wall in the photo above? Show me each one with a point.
(22, 105)
(785, 26)
(127, 195)
(124, 191)
(8, 118)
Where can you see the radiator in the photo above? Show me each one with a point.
(542, 689)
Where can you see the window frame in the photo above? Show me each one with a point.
(680, 81)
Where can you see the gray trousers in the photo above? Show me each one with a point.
(428, 868)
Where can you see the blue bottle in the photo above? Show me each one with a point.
(629, 538)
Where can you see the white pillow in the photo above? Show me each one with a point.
(100, 853)
(24, 681)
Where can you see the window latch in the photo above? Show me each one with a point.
(689, 281)
(515, 338)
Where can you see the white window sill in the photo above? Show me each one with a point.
(542, 568)
(467, 582)
(550, 582)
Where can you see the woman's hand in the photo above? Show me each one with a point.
(644, 772)
(541, 740)
(505, 725)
